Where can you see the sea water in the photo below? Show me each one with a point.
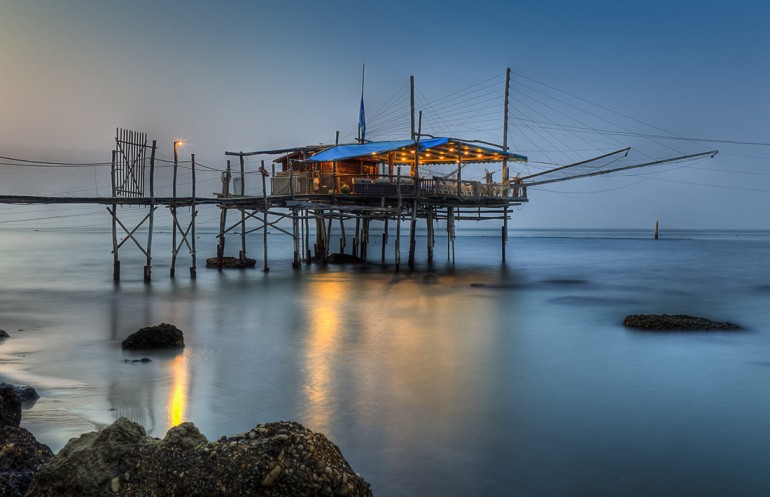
(466, 378)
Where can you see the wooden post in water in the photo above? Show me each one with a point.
(364, 236)
(356, 236)
(148, 266)
(242, 255)
(504, 239)
(384, 238)
(113, 212)
(194, 213)
(174, 222)
(342, 234)
(416, 183)
(295, 237)
(398, 221)
(223, 216)
(656, 229)
(429, 232)
(265, 268)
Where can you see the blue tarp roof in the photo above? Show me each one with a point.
(343, 152)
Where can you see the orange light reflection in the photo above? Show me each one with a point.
(177, 402)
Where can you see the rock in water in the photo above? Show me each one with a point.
(272, 460)
(20, 458)
(676, 322)
(10, 406)
(26, 394)
(231, 263)
(3, 334)
(155, 337)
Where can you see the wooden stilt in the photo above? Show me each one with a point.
(356, 235)
(412, 232)
(364, 236)
(113, 212)
(384, 239)
(242, 255)
(148, 266)
(295, 239)
(342, 234)
(194, 213)
(429, 232)
(265, 267)
(223, 216)
(504, 239)
(398, 221)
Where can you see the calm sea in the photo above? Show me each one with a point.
(469, 379)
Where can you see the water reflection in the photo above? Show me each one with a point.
(323, 340)
(177, 402)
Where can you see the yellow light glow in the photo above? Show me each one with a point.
(177, 404)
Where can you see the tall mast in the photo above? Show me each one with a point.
(411, 102)
(506, 175)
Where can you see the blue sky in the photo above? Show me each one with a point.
(257, 75)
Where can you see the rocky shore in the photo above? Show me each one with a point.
(280, 459)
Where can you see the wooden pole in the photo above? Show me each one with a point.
(194, 214)
(504, 240)
(416, 182)
(148, 267)
(411, 102)
(242, 255)
(223, 216)
(364, 237)
(308, 259)
(342, 234)
(174, 221)
(295, 235)
(357, 236)
(398, 220)
(656, 229)
(113, 212)
(265, 268)
(429, 232)
(384, 239)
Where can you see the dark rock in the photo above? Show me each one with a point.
(4, 335)
(143, 360)
(231, 263)
(272, 460)
(26, 394)
(155, 337)
(20, 458)
(10, 406)
(676, 322)
(343, 259)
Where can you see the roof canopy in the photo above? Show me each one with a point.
(432, 151)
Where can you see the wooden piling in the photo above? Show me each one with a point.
(656, 229)
(194, 214)
(242, 255)
(265, 267)
(148, 266)
(223, 217)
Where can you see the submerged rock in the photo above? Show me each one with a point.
(4, 334)
(21, 456)
(676, 322)
(155, 337)
(231, 263)
(272, 460)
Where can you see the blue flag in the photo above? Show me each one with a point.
(362, 121)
